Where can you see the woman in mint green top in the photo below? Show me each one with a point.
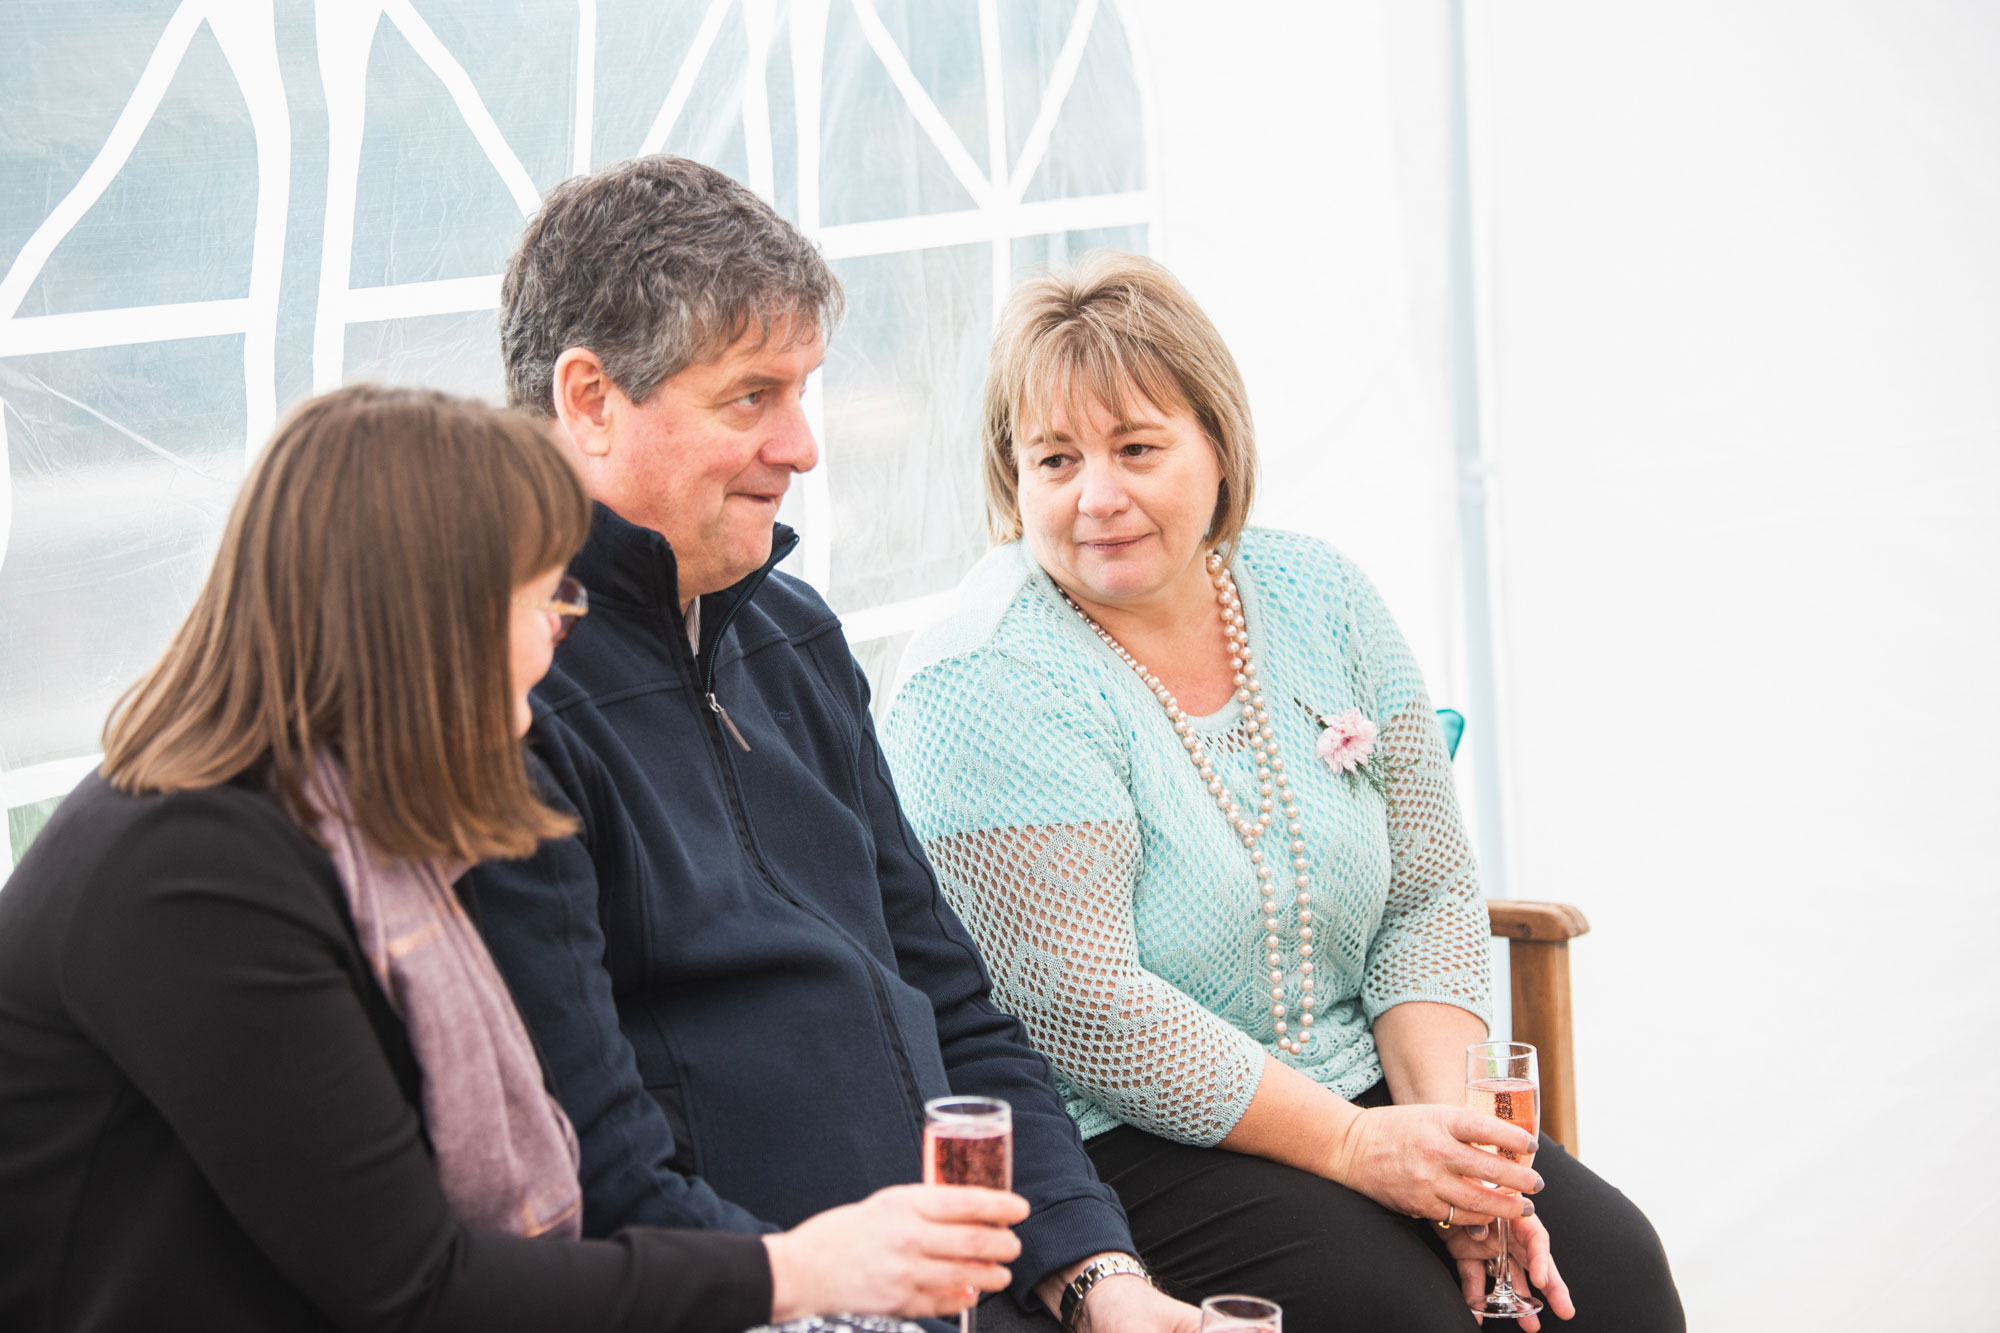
(1181, 779)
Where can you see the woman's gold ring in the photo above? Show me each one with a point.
(1450, 1211)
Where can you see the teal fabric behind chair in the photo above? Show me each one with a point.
(1453, 723)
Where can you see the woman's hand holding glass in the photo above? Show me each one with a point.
(1421, 1161)
(1473, 1249)
(911, 1250)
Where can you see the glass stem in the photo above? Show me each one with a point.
(967, 1320)
(1502, 1287)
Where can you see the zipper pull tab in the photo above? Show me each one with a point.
(729, 726)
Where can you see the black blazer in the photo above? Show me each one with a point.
(210, 1116)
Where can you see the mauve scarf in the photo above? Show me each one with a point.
(506, 1154)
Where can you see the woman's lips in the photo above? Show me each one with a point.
(1111, 545)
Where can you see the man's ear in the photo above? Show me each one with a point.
(583, 404)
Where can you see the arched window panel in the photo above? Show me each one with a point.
(150, 306)
(780, 126)
(175, 223)
(1053, 250)
(519, 55)
(122, 464)
(430, 201)
(693, 100)
(457, 352)
(903, 116)
(65, 72)
(969, 129)
(903, 377)
(639, 50)
(1092, 71)
(149, 147)
(1032, 36)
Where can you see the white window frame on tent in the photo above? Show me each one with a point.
(345, 34)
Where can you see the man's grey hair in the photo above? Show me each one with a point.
(653, 264)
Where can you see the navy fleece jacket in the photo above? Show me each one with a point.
(741, 972)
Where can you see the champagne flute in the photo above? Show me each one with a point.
(1240, 1314)
(1502, 1080)
(969, 1141)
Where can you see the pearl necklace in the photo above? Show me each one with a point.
(1274, 795)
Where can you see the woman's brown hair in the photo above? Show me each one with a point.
(1111, 320)
(360, 602)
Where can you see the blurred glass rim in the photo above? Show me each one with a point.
(1241, 1307)
(948, 1110)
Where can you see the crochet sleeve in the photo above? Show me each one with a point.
(1023, 805)
(1431, 943)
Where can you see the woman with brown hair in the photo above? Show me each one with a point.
(257, 1069)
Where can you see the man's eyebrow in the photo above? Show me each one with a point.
(752, 380)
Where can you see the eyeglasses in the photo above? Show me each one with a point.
(571, 602)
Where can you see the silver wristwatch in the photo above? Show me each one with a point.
(1115, 1265)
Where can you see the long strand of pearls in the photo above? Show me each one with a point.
(1274, 797)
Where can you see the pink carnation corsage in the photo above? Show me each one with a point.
(1347, 742)
(1347, 745)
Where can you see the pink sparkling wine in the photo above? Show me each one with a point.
(970, 1154)
(1515, 1100)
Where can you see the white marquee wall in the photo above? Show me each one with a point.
(1744, 307)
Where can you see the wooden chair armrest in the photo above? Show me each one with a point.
(1538, 936)
(1519, 919)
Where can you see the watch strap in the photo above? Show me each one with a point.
(1112, 1265)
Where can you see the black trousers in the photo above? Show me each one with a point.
(1208, 1220)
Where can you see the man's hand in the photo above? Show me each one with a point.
(1127, 1305)
(1123, 1303)
(911, 1250)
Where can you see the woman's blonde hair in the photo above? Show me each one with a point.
(360, 603)
(1113, 320)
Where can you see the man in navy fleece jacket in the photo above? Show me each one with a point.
(741, 972)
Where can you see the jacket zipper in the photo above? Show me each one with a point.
(715, 706)
(740, 817)
(778, 552)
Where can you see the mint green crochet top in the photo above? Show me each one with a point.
(1117, 909)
